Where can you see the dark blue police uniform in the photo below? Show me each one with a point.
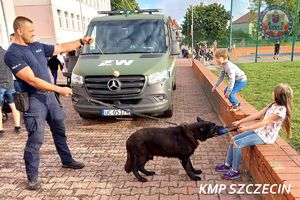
(43, 105)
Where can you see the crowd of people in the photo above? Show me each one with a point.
(201, 51)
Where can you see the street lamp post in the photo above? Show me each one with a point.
(257, 30)
(81, 18)
(230, 35)
(295, 30)
(192, 30)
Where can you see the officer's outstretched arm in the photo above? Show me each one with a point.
(69, 46)
(27, 75)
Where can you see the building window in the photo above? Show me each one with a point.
(60, 19)
(84, 23)
(73, 21)
(78, 23)
(67, 20)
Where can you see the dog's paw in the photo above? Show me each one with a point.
(142, 179)
(150, 173)
(196, 178)
(197, 171)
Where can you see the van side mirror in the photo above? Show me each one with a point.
(175, 50)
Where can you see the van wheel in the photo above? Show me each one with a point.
(174, 86)
(86, 116)
(169, 112)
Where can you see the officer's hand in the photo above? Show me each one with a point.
(65, 91)
(87, 40)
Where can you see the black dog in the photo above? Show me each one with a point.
(179, 142)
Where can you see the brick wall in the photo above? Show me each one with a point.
(275, 163)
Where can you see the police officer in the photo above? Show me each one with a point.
(27, 60)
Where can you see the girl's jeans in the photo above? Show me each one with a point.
(237, 87)
(234, 153)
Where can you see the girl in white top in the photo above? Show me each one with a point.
(265, 131)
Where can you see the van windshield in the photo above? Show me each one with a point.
(126, 36)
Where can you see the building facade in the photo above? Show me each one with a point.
(243, 24)
(7, 16)
(57, 21)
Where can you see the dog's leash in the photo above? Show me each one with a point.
(133, 113)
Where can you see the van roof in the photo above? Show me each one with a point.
(129, 17)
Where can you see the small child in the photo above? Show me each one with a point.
(237, 78)
(273, 116)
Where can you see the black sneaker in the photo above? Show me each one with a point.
(1, 133)
(34, 185)
(74, 165)
(17, 129)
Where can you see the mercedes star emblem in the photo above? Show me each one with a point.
(114, 85)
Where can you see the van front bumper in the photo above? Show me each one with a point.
(153, 100)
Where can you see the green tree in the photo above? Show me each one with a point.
(124, 5)
(210, 23)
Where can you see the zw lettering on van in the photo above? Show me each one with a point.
(117, 62)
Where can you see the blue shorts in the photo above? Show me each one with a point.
(8, 94)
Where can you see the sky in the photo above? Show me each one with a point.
(177, 8)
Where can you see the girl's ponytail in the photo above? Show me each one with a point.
(283, 95)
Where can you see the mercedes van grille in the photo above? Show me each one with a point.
(106, 86)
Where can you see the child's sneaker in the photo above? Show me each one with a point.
(236, 108)
(222, 168)
(231, 174)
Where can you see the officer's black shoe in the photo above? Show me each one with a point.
(74, 165)
(34, 185)
(17, 129)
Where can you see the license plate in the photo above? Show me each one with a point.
(115, 112)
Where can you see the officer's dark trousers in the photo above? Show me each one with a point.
(44, 107)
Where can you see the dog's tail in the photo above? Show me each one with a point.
(129, 161)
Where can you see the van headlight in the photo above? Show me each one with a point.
(76, 80)
(158, 77)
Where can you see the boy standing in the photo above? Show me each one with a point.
(237, 78)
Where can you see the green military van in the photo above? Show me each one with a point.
(142, 47)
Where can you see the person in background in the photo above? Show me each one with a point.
(214, 46)
(16, 83)
(54, 64)
(265, 131)
(6, 91)
(237, 78)
(28, 62)
(11, 37)
(276, 50)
